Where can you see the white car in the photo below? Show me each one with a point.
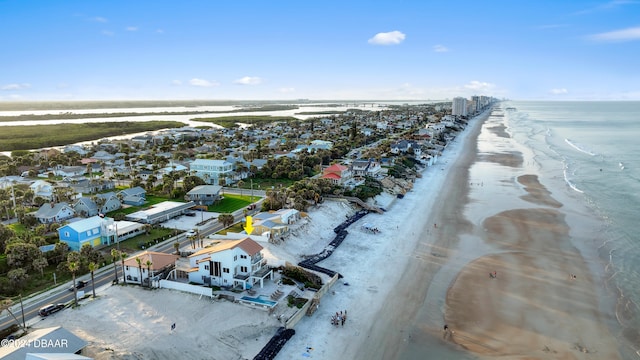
(191, 233)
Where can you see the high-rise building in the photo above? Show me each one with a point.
(459, 106)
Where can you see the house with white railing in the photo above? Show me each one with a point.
(230, 263)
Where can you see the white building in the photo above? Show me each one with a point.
(211, 171)
(230, 263)
(459, 106)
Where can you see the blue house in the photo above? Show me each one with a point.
(93, 231)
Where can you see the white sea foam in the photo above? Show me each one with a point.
(579, 148)
(568, 181)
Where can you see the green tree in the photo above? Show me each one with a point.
(139, 261)
(149, 263)
(176, 246)
(18, 278)
(115, 255)
(123, 256)
(92, 267)
(73, 264)
(21, 254)
(226, 219)
(39, 264)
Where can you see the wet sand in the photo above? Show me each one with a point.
(533, 309)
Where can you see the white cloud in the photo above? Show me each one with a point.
(176, 82)
(287, 90)
(108, 33)
(440, 48)
(611, 5)
(100, 19)
(559, 91)
(629, 34)
(480, 87)
(248, 80)
(131, 28)
(10, 87)
(160, 31)
(202, 83)
(388, 38)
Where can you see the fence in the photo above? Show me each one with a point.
(194, 289)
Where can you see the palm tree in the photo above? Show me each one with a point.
(149, 263)
(115, 254)
(176, 245)
(123, 255)
(73, 264)
(139, 261)
(92, 267)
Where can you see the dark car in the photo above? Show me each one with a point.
(50, 309)
(79, 285)
(190, 213)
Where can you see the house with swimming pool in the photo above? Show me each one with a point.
(230, 263)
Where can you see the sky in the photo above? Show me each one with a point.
(319, 50)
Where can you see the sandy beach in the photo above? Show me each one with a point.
(434, 269)
(428, 266)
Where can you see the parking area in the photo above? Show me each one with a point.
(185, 222)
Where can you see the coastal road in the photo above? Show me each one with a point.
(102, 276)
(61, 294)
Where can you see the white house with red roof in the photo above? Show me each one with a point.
(337, 174)
(230, 263)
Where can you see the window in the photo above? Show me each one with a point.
(235, 258)
(225, 270)
(206, 267)
(66, 234)
(89, 233)
(243, 256)
(95, 231)
(127, 267)
(243, 269)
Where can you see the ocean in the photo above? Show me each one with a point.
(587, 153)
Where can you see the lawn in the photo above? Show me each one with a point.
(134, 244)
(231, 203)
(266, 183)
(235, 228)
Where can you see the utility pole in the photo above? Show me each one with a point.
(24, 323)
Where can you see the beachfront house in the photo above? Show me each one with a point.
(275, 224)
(364, 168)
(338, 174)
(230, 263)
(405, 146)
(152, 264)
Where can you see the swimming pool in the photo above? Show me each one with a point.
(260, 300)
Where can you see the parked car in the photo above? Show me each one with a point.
(190, 233)
(50, 309)
(79, 285)
(190, 213)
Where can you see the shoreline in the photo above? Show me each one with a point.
(379, 288)
(434, 275)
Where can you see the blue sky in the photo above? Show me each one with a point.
(395, 50)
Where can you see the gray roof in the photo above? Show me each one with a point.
(48, 211)
(205, 189)
(51, 335)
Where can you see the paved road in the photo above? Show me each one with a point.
(102, 276)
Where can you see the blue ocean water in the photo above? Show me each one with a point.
(587, 152)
